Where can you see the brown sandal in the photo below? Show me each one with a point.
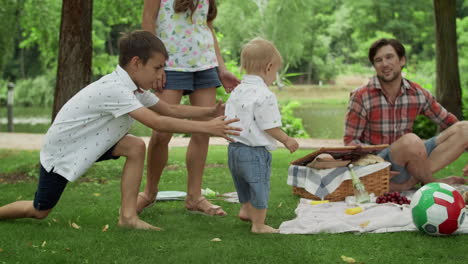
(148, 202)
(203, 206)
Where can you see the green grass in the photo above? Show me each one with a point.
(94, 203)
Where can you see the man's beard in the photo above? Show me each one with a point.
(392, 78)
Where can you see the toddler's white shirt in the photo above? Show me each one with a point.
(91, 122)
(257, 108)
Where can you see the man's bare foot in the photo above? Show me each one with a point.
(453, 180)
(137, 223)
(264, 229)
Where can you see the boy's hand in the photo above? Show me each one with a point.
(220, 127)
(291, 144)
(465, 170)
(228, 80)
(218, 109)
(160, 82)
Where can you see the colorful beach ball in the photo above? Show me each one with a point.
(437, 209)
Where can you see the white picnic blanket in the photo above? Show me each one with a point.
(324, 181)
(331, 218)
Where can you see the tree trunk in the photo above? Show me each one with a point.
(75, 51)
(448, 90)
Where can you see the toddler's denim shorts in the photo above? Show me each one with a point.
(51, 185)
(250, 169)
(192, 81)
(404, 175)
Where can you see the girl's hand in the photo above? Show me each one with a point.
(160, 82)
(228, 80)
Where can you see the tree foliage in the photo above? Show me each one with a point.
(319, 38)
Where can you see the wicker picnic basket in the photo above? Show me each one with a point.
(376, 182)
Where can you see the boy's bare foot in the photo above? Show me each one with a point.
(137, 223)
(453, 180)
(264, 229)
(144, 201)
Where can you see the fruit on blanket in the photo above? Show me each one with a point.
(393, 197)
(437, 209)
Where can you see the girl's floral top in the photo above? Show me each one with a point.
(188, 40)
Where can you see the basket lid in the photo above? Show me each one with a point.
(351, 153)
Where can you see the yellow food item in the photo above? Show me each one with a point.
(319, 202)
(353, 211)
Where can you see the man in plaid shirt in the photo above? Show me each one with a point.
(384, 111)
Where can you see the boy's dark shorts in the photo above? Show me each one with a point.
(51, 185)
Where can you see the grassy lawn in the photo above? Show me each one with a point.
(93, 203)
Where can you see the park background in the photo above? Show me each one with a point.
(324, 45)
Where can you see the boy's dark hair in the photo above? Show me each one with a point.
(396, 44)
(142, 44)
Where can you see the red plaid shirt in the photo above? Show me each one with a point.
(372, 120)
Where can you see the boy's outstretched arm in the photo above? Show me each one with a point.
(188, 111)
(216, 127)
(278, 134)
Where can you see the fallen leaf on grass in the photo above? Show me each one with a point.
(348, 259)
(75, 226)
(44, 243)
(97, 194)
(280, 204)
(68, 249)
(1, 250)
(105, 228)
(216, 239)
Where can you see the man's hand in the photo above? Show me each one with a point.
(218, 109)
(220, 127)
(228, 80)
(160, 82)
(291, 144)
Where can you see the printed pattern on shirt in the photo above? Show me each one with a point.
(257, 108)
(189, 40)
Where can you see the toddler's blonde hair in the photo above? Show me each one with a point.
(257, 54)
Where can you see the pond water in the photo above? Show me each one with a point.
(320, 121)
(323, 121)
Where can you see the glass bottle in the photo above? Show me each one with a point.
(360, 193)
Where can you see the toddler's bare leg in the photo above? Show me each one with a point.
(244, 212)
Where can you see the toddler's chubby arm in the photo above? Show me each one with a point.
(216, 127)
(278, 134)
(188, 111)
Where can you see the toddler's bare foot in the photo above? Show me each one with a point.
(243, 215)
(453, 180)
(137, 223)
(264, 229)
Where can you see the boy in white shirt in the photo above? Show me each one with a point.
(260, 120)
(93, 125)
